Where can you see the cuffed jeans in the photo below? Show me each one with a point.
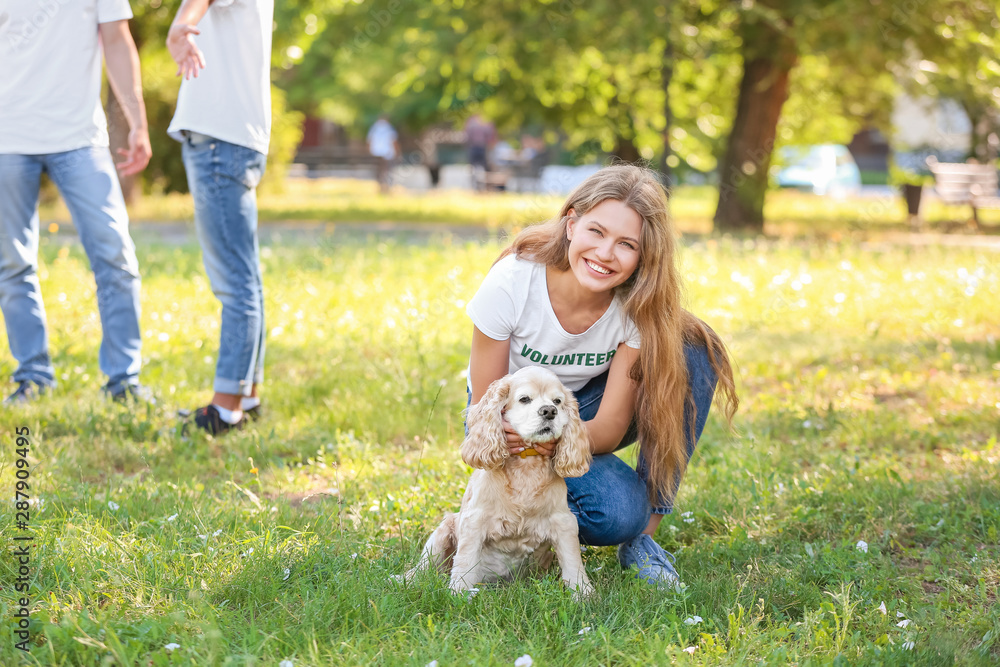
(223, 179)
(610, 501)
(88, 183)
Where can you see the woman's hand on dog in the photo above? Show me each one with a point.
(517, 445)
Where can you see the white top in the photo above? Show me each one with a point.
(381, 138)
(231, 98)
(50, 87)
(513, 302)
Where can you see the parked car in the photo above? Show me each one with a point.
(824, 169)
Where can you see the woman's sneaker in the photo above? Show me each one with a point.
(651, 560)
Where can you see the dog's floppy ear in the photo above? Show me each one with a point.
(486, 444)
(572, 457)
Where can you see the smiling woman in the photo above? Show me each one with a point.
(594, 295)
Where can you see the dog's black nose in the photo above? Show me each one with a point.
(547, 412)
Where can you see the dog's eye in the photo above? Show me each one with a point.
(525, 399)
(557, 401)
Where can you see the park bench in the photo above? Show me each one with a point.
(327, 159)
(489, 181)
(972, 184)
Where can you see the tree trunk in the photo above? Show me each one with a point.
(625, 150)
(668, 118)
(743, 172)
(118, 130)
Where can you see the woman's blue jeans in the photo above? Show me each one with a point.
(223, 179)
(610, 502)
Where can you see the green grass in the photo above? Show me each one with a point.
(788, 213)
(870, 383)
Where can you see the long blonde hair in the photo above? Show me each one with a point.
(651, 297)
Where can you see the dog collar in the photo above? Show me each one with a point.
(528, 452)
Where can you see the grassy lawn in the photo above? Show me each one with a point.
(870, 383)
(788, 213)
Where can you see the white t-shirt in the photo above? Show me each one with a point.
(231, 98)
(381, 139)
(513, 302)
(50, 87)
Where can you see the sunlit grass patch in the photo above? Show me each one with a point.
(870, 386)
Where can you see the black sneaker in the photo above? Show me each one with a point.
(123, 392)
(26, 392)
(209, 420)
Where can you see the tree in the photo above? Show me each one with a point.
(870, 37)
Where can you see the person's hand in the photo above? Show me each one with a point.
(187, 55)
(137, 154)
(517, 445)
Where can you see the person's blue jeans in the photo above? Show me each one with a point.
(88, 183)
(223, 180)
(610, 501)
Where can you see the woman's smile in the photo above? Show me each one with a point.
(604, 245)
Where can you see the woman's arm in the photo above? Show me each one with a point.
(608, 427)
(489, 361)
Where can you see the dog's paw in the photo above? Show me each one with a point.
(583, 591)
(463, 592)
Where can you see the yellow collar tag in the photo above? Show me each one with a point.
(528, 452)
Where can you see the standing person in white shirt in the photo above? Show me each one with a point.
(223, 119)
(51, 121)
(383, 143)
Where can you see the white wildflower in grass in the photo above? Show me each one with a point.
(524, 661)
(217, 533)
(691, 649)
(585, 630)
(354, 556)
(172, 646)
(687, 517)
(900, 614)
(939, 523)
(204, 537)
(807, 424)
(171, 518)
(810, 551)
(113, 506)
(247, 553)
(905, 622)
(288, 573)
(432, 663)
(693, 620)
(907, 646)
(862, 546)
(881, 608)
(286, 663)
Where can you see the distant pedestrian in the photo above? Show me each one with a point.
(223, 119)
(51, 121)
(383, 143)
(480, 137)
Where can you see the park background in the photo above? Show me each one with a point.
(852, 518)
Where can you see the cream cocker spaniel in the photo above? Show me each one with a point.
(515, 508)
